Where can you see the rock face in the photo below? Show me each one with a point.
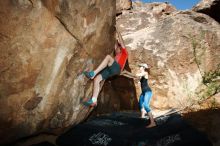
(123, 5)
(182, 47)
(209, 7)
(142, 15)
(45, 46)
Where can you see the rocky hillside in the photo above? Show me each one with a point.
(123, 5)
(209, 7)
(45, 46)
(182, 47)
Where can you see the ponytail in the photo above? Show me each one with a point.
(147, 70)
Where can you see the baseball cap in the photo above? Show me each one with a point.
(143, 65)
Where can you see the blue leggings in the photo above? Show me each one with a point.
(144, 100)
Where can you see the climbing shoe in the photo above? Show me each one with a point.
(89, 74)
(90, 102)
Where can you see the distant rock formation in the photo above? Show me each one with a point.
(209, 7)
(123, 5)
(181, 46)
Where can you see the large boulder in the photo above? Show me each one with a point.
(209, 7)
(45, 46)
(182, 47)
(142, 15)
(123, 5)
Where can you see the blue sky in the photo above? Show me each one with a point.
(179, 4)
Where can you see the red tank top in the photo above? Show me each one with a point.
(122, 57)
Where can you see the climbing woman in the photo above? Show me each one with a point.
(109, 67)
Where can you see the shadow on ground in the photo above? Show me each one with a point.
(207, 121)
(127, 129)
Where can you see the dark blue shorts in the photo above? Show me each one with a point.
(110, 71)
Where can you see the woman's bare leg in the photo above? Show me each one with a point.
(96, 86)
(143, 112)
(152, 122)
